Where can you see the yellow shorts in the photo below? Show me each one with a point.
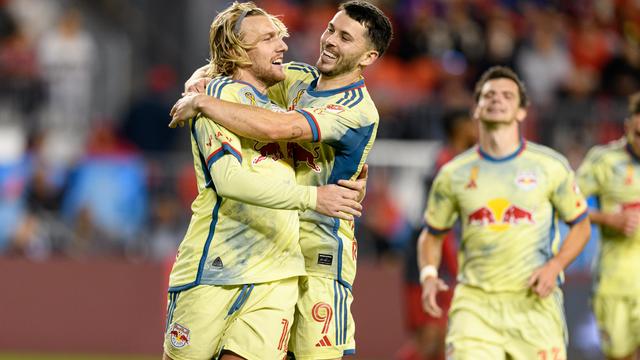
(323, 326)
(618, 319)
(495, 326)
(252, 321)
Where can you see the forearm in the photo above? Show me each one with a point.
(234, 182)
(254, 122)
(575, 241)
(429, 249)
(600, 218)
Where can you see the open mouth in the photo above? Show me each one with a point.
(329, 55)
(277, 62)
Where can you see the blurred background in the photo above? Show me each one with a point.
(95, 190)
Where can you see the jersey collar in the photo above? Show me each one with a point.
(261, 96)
(311, 90)
(484, 155)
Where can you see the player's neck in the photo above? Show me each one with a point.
(499, 141)
(335, 82)
(246, 76)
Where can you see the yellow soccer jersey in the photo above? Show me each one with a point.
(232, 242)
(612, 173)
(508, 209)
(344, 123)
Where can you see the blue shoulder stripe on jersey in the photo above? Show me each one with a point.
(313, 124)
(484, 155)
(344, 98)
(311, 90)
(205, 250)
(360, 97)
(302, 67)
(579, 218)
(355, 99)
(222, 85)
(215, 84)
(224, 149)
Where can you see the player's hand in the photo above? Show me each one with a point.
(625, 222)
(359, 185)
(430, 288)
(338, 201)
(197, 85)
(183, 110)
(544, 279)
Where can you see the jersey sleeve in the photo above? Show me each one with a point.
(340, 126)
(232, 181)
(442, 208)
(294, 72)
(567, 198)
(588, 176)
(214, 141)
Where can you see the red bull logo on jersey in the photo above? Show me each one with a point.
(300, 154)
(500, 214)
(267, 151)
(179, 336)
(526, 180)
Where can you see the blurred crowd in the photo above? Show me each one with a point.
(88, 166)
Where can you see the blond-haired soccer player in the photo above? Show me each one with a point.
(612, 173)
(333, 123)
(509, 194)
(234, 284)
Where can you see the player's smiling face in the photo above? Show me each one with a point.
(268, 54)
(499, 102)
(343, 46)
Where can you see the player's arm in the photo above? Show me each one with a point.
(544, 280)
(440, 215)
(232, 181)
(247, 121)
(625, 222)
(429, 255)
(198, 81)
(568, 200)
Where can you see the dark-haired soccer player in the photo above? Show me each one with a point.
(509, 194)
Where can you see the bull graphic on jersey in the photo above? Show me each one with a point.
(268, 151)
(300, 154)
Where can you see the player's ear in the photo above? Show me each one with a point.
(521, 114)
(369, 58)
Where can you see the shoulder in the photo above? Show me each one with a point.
(222, 86)
(601, 152)
(547, 156)
(301, 69)
(460, 161)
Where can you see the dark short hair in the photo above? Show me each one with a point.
(634, 104)
(377, 23)
(502, 72)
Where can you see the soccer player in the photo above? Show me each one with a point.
(234, 284)
(508, 194)
(333, 123)
(612, 172)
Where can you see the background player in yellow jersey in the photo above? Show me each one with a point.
(332, 107)
(234, 284)
(612, 173)
(508, 194)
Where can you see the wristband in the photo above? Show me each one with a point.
(428, 271)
